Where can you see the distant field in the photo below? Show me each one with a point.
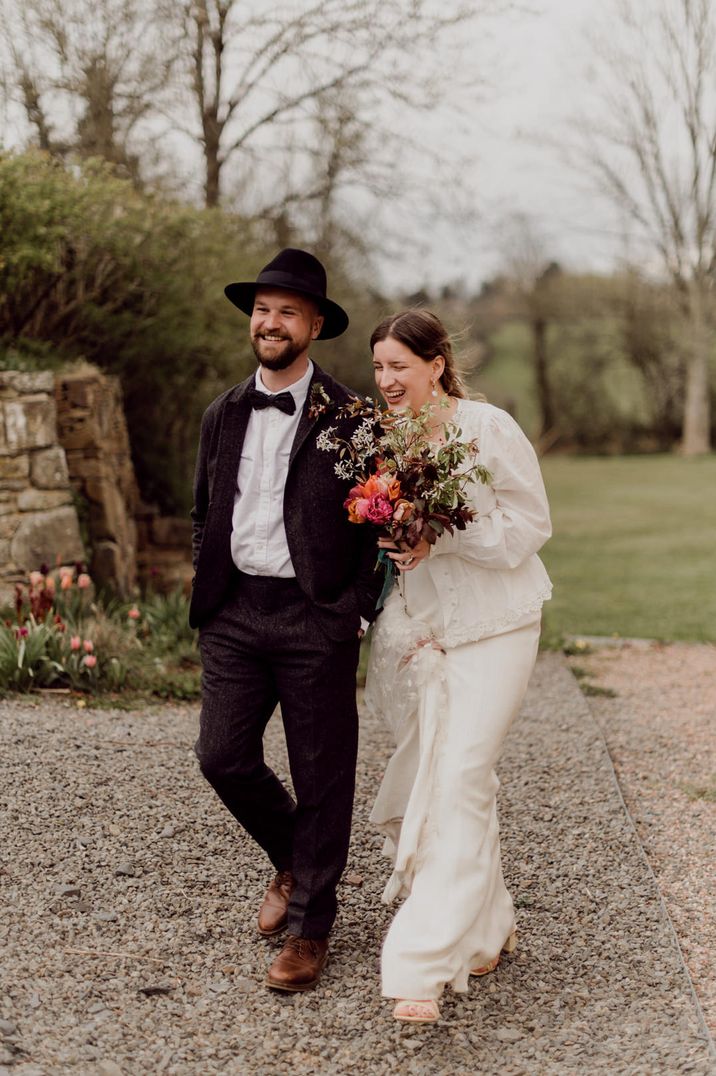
(634, 546)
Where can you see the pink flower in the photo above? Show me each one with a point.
(36, 578)
(49, 584)
(65, 581)
(65, 571)
(134, 613)
(88, 646)
(379, 510)
(84, 581)
(75, 642)
(23, 632)
(89, 660)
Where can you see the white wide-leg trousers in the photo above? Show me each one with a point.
(459, 913)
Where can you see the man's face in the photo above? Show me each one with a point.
(283, 323)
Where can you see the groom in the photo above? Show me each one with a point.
(284, 587)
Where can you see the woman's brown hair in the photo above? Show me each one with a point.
(426, 336)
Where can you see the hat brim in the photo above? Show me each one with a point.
(335, 319)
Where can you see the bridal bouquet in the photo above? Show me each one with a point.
(410, 486)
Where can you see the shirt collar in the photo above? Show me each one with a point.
(299, 389)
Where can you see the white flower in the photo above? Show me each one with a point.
(363, 436)
(344, 469)
(325, 441)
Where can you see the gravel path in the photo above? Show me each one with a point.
(130, 896)
(661, 733)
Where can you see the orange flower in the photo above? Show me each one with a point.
(357, 508)
(382, 485)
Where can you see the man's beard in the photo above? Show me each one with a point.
(291, 351)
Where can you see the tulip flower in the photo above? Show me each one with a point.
(90, 661)
(84, 581)
(75, 642)
(88, 646)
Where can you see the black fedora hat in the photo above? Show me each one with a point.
(293, 270)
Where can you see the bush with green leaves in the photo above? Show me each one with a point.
(92, 269)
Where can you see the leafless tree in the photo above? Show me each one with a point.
(86, 75)
(651, 144)
(254, 73)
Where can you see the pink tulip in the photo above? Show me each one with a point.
(65, 582)
(23, 633)
(88, 646)
(90, 661)
(134, 613)
(66, 571)
(84, 581)
(75, 642)
(36, 578)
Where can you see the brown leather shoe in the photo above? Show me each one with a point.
(299, 964)
(273, 914)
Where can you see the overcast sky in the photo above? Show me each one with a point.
(539, 66)
(536, 66)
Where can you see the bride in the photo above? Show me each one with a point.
(451, 656)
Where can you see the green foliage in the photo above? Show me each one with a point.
(26, 658)
(615, 349)
(633, 547)
(89, 268)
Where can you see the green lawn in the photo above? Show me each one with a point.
(634, 546)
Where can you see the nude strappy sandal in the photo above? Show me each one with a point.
(416, 1012)
(509, 947)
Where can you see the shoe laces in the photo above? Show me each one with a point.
(299, 944)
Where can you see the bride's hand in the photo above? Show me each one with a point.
(420, 645)
(404, 557)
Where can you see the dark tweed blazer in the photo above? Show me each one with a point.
(334, 559)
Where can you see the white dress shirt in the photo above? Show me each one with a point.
(258, 535)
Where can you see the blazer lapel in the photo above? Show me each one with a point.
(237, 412)
(306, 423)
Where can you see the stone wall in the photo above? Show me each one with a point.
(93, 432)
(65, 433)
(163, 551)
(38, 521)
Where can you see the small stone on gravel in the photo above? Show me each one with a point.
(67, 891)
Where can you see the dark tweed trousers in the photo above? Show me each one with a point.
(263, 647)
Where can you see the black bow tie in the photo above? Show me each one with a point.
(283, 400)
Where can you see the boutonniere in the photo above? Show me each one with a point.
(320, 401)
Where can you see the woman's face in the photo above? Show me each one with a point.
(403, 378)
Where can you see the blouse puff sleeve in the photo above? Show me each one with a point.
(519, 523)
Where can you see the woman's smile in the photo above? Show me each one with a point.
(403, 378)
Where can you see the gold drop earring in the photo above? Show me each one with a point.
(434, 390)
